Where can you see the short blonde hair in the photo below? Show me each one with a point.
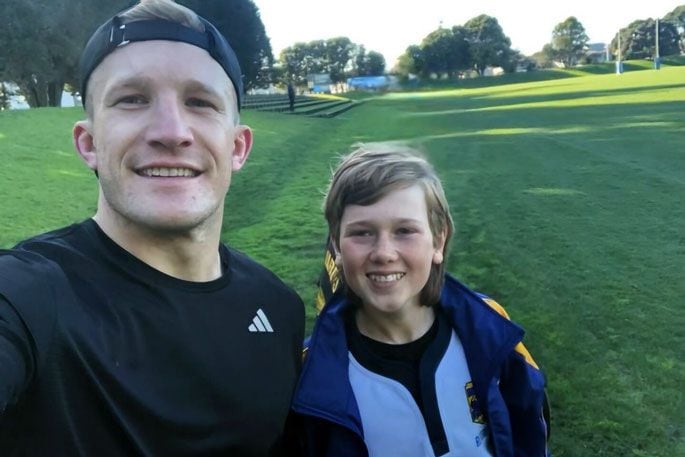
(167, 10)
(373, 170)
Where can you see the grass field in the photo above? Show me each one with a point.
(569, 199)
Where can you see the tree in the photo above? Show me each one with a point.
(5, 94)
(375, 63)
(550, 54)
(42, 41)
(368, 64)
(445, 51)
(488, 44)
(297, 62)
(239, 21)
(337, 56)
(677, 18)
(542, 58)
(459, 57)
(517, 60)
(411, 62)
(638, 40)
(569, 40)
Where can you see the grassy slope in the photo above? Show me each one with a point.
(568, 197)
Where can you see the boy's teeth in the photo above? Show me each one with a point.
(164, 172)
(386, 278)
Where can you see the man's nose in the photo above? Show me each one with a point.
(384, 249)
(169, 126)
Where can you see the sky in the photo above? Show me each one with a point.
(389, 26)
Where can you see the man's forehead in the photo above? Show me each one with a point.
(157, 62)
(112, 35)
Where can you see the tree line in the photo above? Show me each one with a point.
(481, 42)
(476, 45)
(41, 41)
(637, 40)
(339, 57)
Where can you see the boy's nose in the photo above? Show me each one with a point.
(384, 250)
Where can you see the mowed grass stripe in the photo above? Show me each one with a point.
(281, 197)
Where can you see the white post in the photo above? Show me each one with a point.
(619, 64)
(657, 38)
(657, 58)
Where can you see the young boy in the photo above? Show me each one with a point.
(405, 360)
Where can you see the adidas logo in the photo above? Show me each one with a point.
(260, 324)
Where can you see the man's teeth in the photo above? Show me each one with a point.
(386, 278)
(164, 172)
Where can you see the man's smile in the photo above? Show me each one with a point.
(168, 172)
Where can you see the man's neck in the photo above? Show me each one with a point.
(192, 256)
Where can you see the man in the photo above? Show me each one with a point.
(137, 332)
(291, 96)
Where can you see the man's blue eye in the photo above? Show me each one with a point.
(200, 103)
(132, 100)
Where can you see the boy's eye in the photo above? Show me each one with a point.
(406, 230)
(360, 233)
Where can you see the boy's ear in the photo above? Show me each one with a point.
(84, 143)
(336, 253)
(439, 249)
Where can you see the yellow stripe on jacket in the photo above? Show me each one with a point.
(520, 348)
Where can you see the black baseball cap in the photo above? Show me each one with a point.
(113, 34)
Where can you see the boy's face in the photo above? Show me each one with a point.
(386, 251)
(162, 136)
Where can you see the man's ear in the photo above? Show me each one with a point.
(242, 145)
(84, 143)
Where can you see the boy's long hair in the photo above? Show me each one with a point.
(369, 173)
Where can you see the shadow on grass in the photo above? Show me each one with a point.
(540, 75)
(612, 119)
(492, 102)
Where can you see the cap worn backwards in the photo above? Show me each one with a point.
(113, 34)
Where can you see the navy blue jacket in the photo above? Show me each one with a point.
(508, 385)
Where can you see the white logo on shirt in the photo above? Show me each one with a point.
(260, 323)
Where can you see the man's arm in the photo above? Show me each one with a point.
(17, 363)
(28, 288)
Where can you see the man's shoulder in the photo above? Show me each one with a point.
(31, 267)
(60, 236)
(17, 263)
(32, 285)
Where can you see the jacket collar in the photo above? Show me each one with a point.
(487, 336)
(324, 389)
